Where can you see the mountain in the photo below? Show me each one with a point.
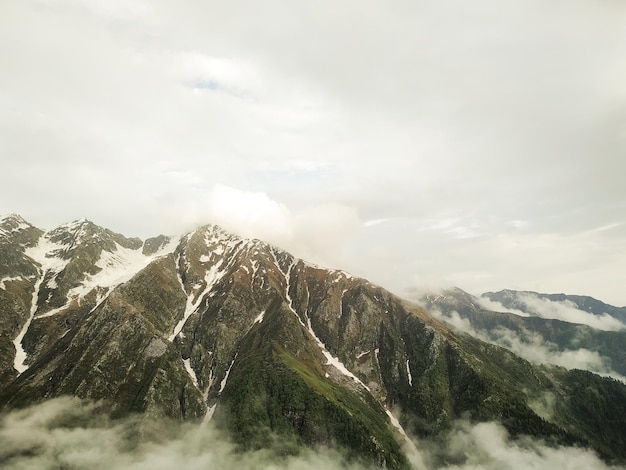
(278, 353)
(531, 332)
(525, 301)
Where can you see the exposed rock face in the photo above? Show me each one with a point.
(214, 327)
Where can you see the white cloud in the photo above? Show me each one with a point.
(494, 306)
(251, 214)
(488, 446)
(68, 432)
(532, 347)
(568, 311)
(317, 233)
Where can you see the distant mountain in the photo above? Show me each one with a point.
(519, 300)
(278, 353)
(536, 336)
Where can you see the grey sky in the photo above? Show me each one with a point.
(480, 144)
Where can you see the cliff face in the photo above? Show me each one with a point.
(212, 327)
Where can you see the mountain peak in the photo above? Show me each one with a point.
(11, 217)
(13, 223)
(77, 225)
(15, 230)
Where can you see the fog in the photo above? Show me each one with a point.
(559, 310)
(488, 446)
(532, 347)
(71, 433)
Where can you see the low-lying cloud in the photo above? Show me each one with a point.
(564, 310)
(72, 433)
(316, 233)
(488, 446)
(495, 306)
(532, 347)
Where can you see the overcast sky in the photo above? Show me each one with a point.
(416, 143)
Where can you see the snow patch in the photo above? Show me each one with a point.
(209, 414)
(225, 379)
(211, 409)
(341, 302)
(408, 372)
(47, 254)
(16, 221)
(396, 424)
(20, 353)
(330, 359)
(178, 276)
(259, 318)
(211, 278)
(53, 312)
(340, 275)
(255, 266)
(190, 371)
(116, 267)
(52, 283)
(167, 248)
(9, 279)
(337, 364)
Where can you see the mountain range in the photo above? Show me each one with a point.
(280, 354)
(568, 330)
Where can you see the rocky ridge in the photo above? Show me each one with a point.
(213, 327)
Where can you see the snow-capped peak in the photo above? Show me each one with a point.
(12, 223)
(11, 218)
(76, 230)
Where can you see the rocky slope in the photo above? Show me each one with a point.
(276, 351)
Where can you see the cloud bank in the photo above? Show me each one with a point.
(569, 312)
(70, 433)
(487, 446)
(532, 347)
(566, 310)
